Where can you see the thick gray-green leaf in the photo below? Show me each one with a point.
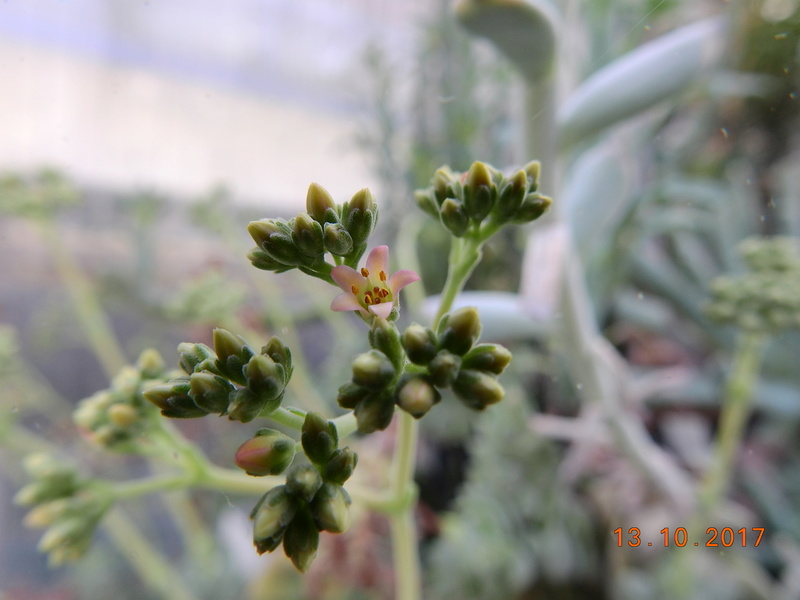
(523, 30)
(643, 77)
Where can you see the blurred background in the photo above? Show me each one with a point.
(139, 138)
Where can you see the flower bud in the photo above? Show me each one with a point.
(385, 338)
(443, 369)
(330, 508)
(351, 394)
(374, 413)
(301, 540)
(372, 370)
(533, 207)
(65, 532)
(320, 204)
(477, 390)
(417, 396)
(233, 354)
(195, 357)
(479, 192)
(173, 399)
(279, 353)
(150, 364)
(123, 416)
(307, 236)
(360, 216)
(419, 344)
(303, 481)
(491, 358)
(512, 195)
(454, 217)
(319, 438)
(459, 330)
(210, 392)
(337, 240)
(245, 405)
(47, 513)
(268, 453)
(532, 170)
(261, 260)
(265, 377)
(426, 202)
(443, 179)
(271, 516)
(340, 466)
(275, 238)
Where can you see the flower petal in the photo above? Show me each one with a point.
(401, 279)
(378, 260)
(346, 302)
(346, 278)
(381, 310)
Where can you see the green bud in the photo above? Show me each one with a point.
(173, 400)
(532, 170)
(416, 396)
(123, 416)
(271, 516)
(351, 394)
(384, 337)
(477, 390)
(65, 533)
(265, 377)
(426, 202)
(261, 260)
(307, 236)
(337, 240)
(330, 508)
(303, 481)
(360, 217)
(419, 344)
(491, 358)
(280, 354)
(374, 413)
(150, 364)
(459, 330)
(479, 192)
(44, 515)
(443, 369)
(372, 370)
(512, 195)
(533, 207)
(275, 238)
(454, 217)
(340, 466)
(245, 405)
(301, 540)
(443, 179)
(233, 354)
(268, 453)
(319, 438)
(210, 392)
(195, 357)
(320, 204)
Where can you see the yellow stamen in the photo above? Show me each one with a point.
(384, 293)
(364, 272)
(354, 289)
(383, 275)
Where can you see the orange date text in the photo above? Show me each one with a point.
(714, 537)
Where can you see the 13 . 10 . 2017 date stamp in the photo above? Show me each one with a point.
(714, 537)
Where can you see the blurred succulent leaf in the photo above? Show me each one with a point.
(642, 78)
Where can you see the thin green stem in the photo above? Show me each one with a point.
(465, 254)
(733, 418)
(405, 555)
(151, 566)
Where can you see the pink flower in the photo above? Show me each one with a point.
(370, 291)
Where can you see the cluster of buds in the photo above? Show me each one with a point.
(766, 299)
(312, 499)
(69, 507)
(339, 229)
(229, 380)
(464, 201)
(453, 359)
(117, 416)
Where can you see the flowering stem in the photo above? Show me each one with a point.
(733, 418)
(465, 254)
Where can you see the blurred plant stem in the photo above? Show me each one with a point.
(91, 316)
(733, 418)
